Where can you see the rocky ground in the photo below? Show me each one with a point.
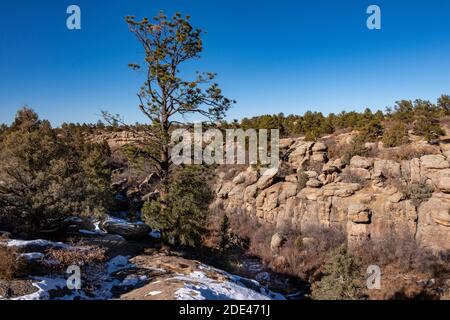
(132, 270)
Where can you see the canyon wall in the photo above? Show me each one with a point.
(370, 198)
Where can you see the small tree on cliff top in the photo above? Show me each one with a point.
(165, 96)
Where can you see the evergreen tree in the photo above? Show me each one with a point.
(44, 178)
(342, 278)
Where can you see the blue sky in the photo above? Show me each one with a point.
(271, 56)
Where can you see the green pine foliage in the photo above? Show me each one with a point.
(182, 217)
(47, 177)
(342, 278)
(395, 135)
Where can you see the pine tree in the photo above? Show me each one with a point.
(46, 177)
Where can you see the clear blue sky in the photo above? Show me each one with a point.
(272, 56)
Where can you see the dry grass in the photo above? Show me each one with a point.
(408, 152)
(82, 256)
(350, 177)
(10, 266)
(405, 268)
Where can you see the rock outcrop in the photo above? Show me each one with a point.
(367, 198)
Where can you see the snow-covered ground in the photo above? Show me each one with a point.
(198, 286)
(198, 282)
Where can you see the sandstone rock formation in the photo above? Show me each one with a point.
(373, 207)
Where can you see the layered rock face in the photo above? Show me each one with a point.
(366, 198)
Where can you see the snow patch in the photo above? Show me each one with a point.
(39, 243)
(32, 256)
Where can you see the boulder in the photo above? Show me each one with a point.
(333, 166)
(319, 157)
(359, 213)
(267, 179)
(314, 183)
(360, 172)
(247, 177)
(319, 147)
(443, 184)
(277, 241)
(291, 178)
(386, 168)
(361, 162)
(340, 189)
(128, 230)
(434, 161)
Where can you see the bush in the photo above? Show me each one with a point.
(408, 152)
(356, 148)
(428, 128)
(302, 179)
(10, 267)
(418, 192)
(349, 177)
(224, 233)
(342, 278)
(82, 256)
(48, 176)
(396, 135)
(371, 131)
(182, 219)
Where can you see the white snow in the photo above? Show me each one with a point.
(133, 280)
(39, 243)
(32, 256)
(198, 286)
(118, 263)
(153, 293)
(155, 234)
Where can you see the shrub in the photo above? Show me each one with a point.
(355, 148)
(349, 177)
(342, 278)
(48, 176)
(80, 256)
(182, 219)
(396, 135)
(371, 131)
(302, 179)
(428, 128)
(224, 233)
(408, 152)
(10, 267)
(418, 192)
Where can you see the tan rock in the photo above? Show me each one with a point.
(361, 162)
(319, 157)
(291, 178)
(319, 147)
(247, 177)
(340, 189)
(434, 161)
(443, 184)
(360, 172)
(277, 241)
(267, 178)
(359, 213)
(386, 167)
(314, 183)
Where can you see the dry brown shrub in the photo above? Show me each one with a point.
(405, 267)
(350, 177)
(408, 152)
(10, 266)
(81, 256)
